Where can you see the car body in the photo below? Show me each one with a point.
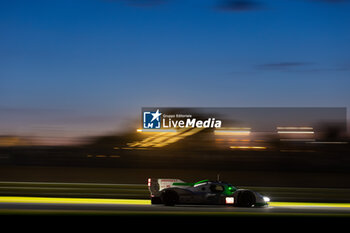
(174, 191)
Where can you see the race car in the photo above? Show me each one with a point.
(172, 192)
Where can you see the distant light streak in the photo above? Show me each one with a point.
(235, 128)
(295, 132)
(161, 138)
(294, 128)
(297, 140)
(249, 147)
(156, 130)
(297, 151)
(232, 132)
(328, 142)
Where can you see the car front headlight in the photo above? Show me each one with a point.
(266, 199)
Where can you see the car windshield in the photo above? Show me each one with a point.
(216, 188)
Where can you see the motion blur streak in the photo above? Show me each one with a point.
(248, 147)
(156, 131)
(232, 132)
(162, 137)
(309, 204)
(295, 128)
(60, 200)
(297, 132)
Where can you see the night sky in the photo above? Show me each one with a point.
(77, 68)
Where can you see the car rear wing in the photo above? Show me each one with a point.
(156, 185)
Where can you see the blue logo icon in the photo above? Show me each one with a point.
(151, 120)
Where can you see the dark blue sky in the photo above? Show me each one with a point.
(83, 67)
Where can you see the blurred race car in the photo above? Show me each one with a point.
(174, 191)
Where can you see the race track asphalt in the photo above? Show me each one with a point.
(97, 206)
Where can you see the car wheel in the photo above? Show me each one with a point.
(169, 198)
(156, 200)
(246, 199)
